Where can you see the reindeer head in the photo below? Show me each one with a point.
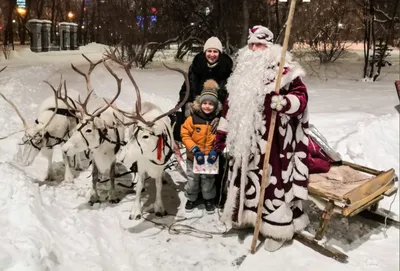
(89, 133)
(35, 136)
(150, 143)
(91, 127)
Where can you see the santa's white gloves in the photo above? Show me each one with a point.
(278, 102)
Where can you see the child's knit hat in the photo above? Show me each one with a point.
(210, 92)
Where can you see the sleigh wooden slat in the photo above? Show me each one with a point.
(348, 190)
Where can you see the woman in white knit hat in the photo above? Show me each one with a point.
(213, 64)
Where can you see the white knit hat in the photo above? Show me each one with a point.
(213, 43)
(260, 34)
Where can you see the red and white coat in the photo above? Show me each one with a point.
(288, 165)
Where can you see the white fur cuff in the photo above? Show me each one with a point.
(294, 104)
(223, 125)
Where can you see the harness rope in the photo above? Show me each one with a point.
(176, 228)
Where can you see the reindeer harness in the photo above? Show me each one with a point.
(160, 146)
(59, 111)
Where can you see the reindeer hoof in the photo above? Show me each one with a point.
(114, 201)
(92, 202)
(161, 214)
(49, 179)
(136, 218)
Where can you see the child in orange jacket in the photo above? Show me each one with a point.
(199, 141)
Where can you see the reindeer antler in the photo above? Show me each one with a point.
(56, 93)
(59, 96)
(127, 67)
(14, 106)
(87, 75)
(109, 103)
(70, 107)
(187, 83)
(16, 110)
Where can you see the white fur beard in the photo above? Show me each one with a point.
(247, 92)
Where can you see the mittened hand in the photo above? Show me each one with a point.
(212, 157)
(278, 102)
(195, 149)
(199, 156)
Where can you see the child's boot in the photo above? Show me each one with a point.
(210, 206)
(189, 206)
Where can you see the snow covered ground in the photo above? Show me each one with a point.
(51, 227)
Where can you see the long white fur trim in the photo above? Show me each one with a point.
(243, 182)
(301, 222)
(230, 204)
(300, 192)
(268, 230)
(223, 125)
(294, 103)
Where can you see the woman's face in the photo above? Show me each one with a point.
(257, 46)
(212, 55)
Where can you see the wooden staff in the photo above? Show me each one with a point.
(272, 128)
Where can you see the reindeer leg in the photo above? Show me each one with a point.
(48, 153)
(94, 198)
(158, 205)
(136, 212)
(112, 197)
(68, 177)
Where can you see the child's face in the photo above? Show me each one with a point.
(207, 107)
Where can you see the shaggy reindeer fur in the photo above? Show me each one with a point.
(103, 136)
(150, 148)
(37, 139)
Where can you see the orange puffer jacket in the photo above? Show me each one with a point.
(196, 130)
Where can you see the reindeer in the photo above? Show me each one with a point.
(150, 142)
(55, 122)
(100, 133)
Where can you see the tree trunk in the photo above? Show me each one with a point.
(80, 34)
(278, 25)
(39, 8)
(145, 20)
(246, 18)
(367, 37)
(391, 29)
(24, 20)
(372, 36)
(9, 33)
(53, 21)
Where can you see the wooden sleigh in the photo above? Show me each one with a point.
(348, 190)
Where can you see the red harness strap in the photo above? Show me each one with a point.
(160, 147)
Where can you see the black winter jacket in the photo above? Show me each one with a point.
(199, 72)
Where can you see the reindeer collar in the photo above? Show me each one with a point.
(118, 143)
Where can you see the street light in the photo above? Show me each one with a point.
(21, 11)
(70, 15)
